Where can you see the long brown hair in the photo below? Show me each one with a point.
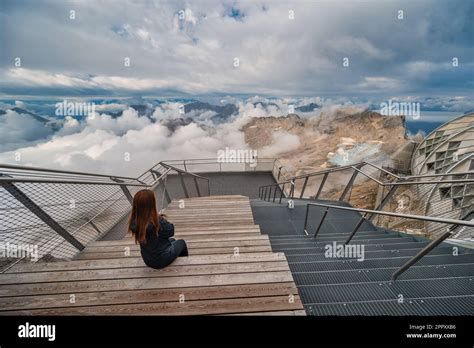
(143, 212)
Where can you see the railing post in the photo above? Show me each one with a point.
(41, 214)
(279, 173)
(125, 190)
(306, 219)
(321, 222)
(157, 173)
(356, 228)
(186, 194)
(282, 193)
(292, 192)
(304, 187)
(385, 200)
(418, 256)
(320, 189)
(349, 184)
(197, 186)
(274, 193)
(165, 192)
(94, 226)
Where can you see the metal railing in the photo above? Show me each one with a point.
(367, 186)
(449, 231)
(59, 212)
(213, 165)
(340, 182)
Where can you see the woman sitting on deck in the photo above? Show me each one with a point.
(153, 232)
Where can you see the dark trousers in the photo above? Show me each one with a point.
(176, 249)
(180, 247)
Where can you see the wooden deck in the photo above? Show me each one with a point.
(231, 270)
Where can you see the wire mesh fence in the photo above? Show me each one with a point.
(56, 213)
(450, 197)
(52, 215)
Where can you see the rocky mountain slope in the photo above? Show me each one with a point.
(331, 139)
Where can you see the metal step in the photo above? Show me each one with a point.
(366, 242)
(417, 307)
(370, 254)
(311, 240)
(376, 291)
(320, 266)
(303, 277)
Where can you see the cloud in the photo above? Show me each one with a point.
(193, 51)
(102, 143)
(377, 83)
(282, 142)
(39, 78)
(17, 130)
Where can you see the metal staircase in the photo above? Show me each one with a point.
(400, 273)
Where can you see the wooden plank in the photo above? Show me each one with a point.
(238, 228)
(216, 232)
(207, 213)
(203, 224)
(176, 212)
(207, 204)
(211, 200)
(204, 211)
(141, 272)
(145, 283)
(106, 247)
(127, 241)
(211, 220)
(278, 313)
(205, 251)
(199, 307)
(205, 235)
(146, 296)
(138, 262)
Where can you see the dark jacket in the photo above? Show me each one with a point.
(158, 251)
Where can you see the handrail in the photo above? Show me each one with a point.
(400, 181)
(368, 176)
(439, 174)
(454, 222)
(326, 171)
(382, 169)
(183, 171)
(39, 169)
(25, 180)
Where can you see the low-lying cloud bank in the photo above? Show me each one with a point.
(130, 143)
(122, 140)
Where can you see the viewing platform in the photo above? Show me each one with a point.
(231, 270)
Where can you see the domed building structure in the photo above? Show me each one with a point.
(445, 146)
(448, 150)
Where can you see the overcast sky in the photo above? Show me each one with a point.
(196, 54)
